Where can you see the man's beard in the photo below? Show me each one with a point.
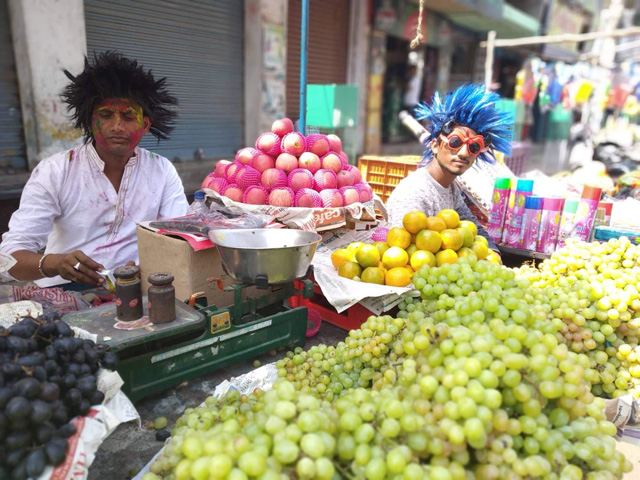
(457, 174)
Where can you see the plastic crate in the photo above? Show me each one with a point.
(350, 319)
(385, 173)
(518, 161)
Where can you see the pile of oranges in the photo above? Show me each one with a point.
(422, 240)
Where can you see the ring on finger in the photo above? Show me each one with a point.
(76, 267)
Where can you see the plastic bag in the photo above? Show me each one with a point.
(218, 218)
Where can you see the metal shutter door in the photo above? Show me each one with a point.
(198, 46)
(327, 47)
(12, 148)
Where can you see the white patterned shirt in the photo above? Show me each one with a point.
(69, 204)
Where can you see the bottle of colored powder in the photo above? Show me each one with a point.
(499, 202)
(549, 224)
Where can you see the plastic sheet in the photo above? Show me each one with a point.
(218, 218)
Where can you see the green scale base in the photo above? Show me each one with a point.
(201, 339)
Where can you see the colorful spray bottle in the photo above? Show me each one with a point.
(499, 202)
(531, 223)
(515, 213)
(587, 207)
(567, 221)
(549, 224)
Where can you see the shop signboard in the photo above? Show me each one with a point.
(563, 19)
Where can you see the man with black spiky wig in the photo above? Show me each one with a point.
(464, 127)
(82, 205)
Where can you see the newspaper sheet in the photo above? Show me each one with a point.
(91, 431)
(310, 219)
(343, 293)
(624, 413)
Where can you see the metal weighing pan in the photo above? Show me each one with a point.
(263, 256)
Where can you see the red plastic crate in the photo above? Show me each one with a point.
(350, 319)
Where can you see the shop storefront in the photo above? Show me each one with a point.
(201, 55)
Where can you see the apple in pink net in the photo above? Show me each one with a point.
(318, 144)
(300, 178)
(335, 144)
(293, 143)
(310, 161)
(282, 126)
(269, 143)
(263, 162)
(248, 176)
(307, 198)
(245, 155)
(325, 179)
(233, 192)
(332, 161)
(286, 162)
(345, 178)
(221, 166)
(216, 184)
(232, 170)
(281, 197)
(255, 195)
(274, 177)
(331, 198)
(357, 175)
(350, 195)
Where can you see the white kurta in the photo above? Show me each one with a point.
(69, 204)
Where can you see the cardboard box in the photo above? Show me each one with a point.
(191, 270)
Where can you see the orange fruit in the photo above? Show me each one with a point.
(349, 270)
(480, 249)
(481, 239)
(354, 247)
(465, 252)
(340, 256)
(422, 257)
(413, 222)
(373, 275)
(451, 239)
(381, 246)
(398, 237)
(450, 217)
(436, 224)
(446, 256)
(398, 277)
(467, 236)
(493, 257)
(368, 256)
(470, 225)
(428, 240)
(395, 257)
(411, 249)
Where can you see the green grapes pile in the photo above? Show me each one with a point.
(473, 380)
(593, 289)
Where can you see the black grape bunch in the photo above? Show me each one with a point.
(47, 378)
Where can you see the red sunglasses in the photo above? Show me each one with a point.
(476, 144)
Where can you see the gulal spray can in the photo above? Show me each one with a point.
(499, 203)
(567, 221)
(549, 224)
(586, 211)
(515, 212)
(531, 223)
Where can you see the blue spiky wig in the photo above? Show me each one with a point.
(469, 106)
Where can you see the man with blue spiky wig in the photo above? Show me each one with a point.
(464, 126)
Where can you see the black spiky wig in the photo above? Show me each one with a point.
(113, 76)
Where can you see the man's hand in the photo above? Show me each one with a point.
(74, 266)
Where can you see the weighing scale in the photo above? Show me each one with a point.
(203, 338)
